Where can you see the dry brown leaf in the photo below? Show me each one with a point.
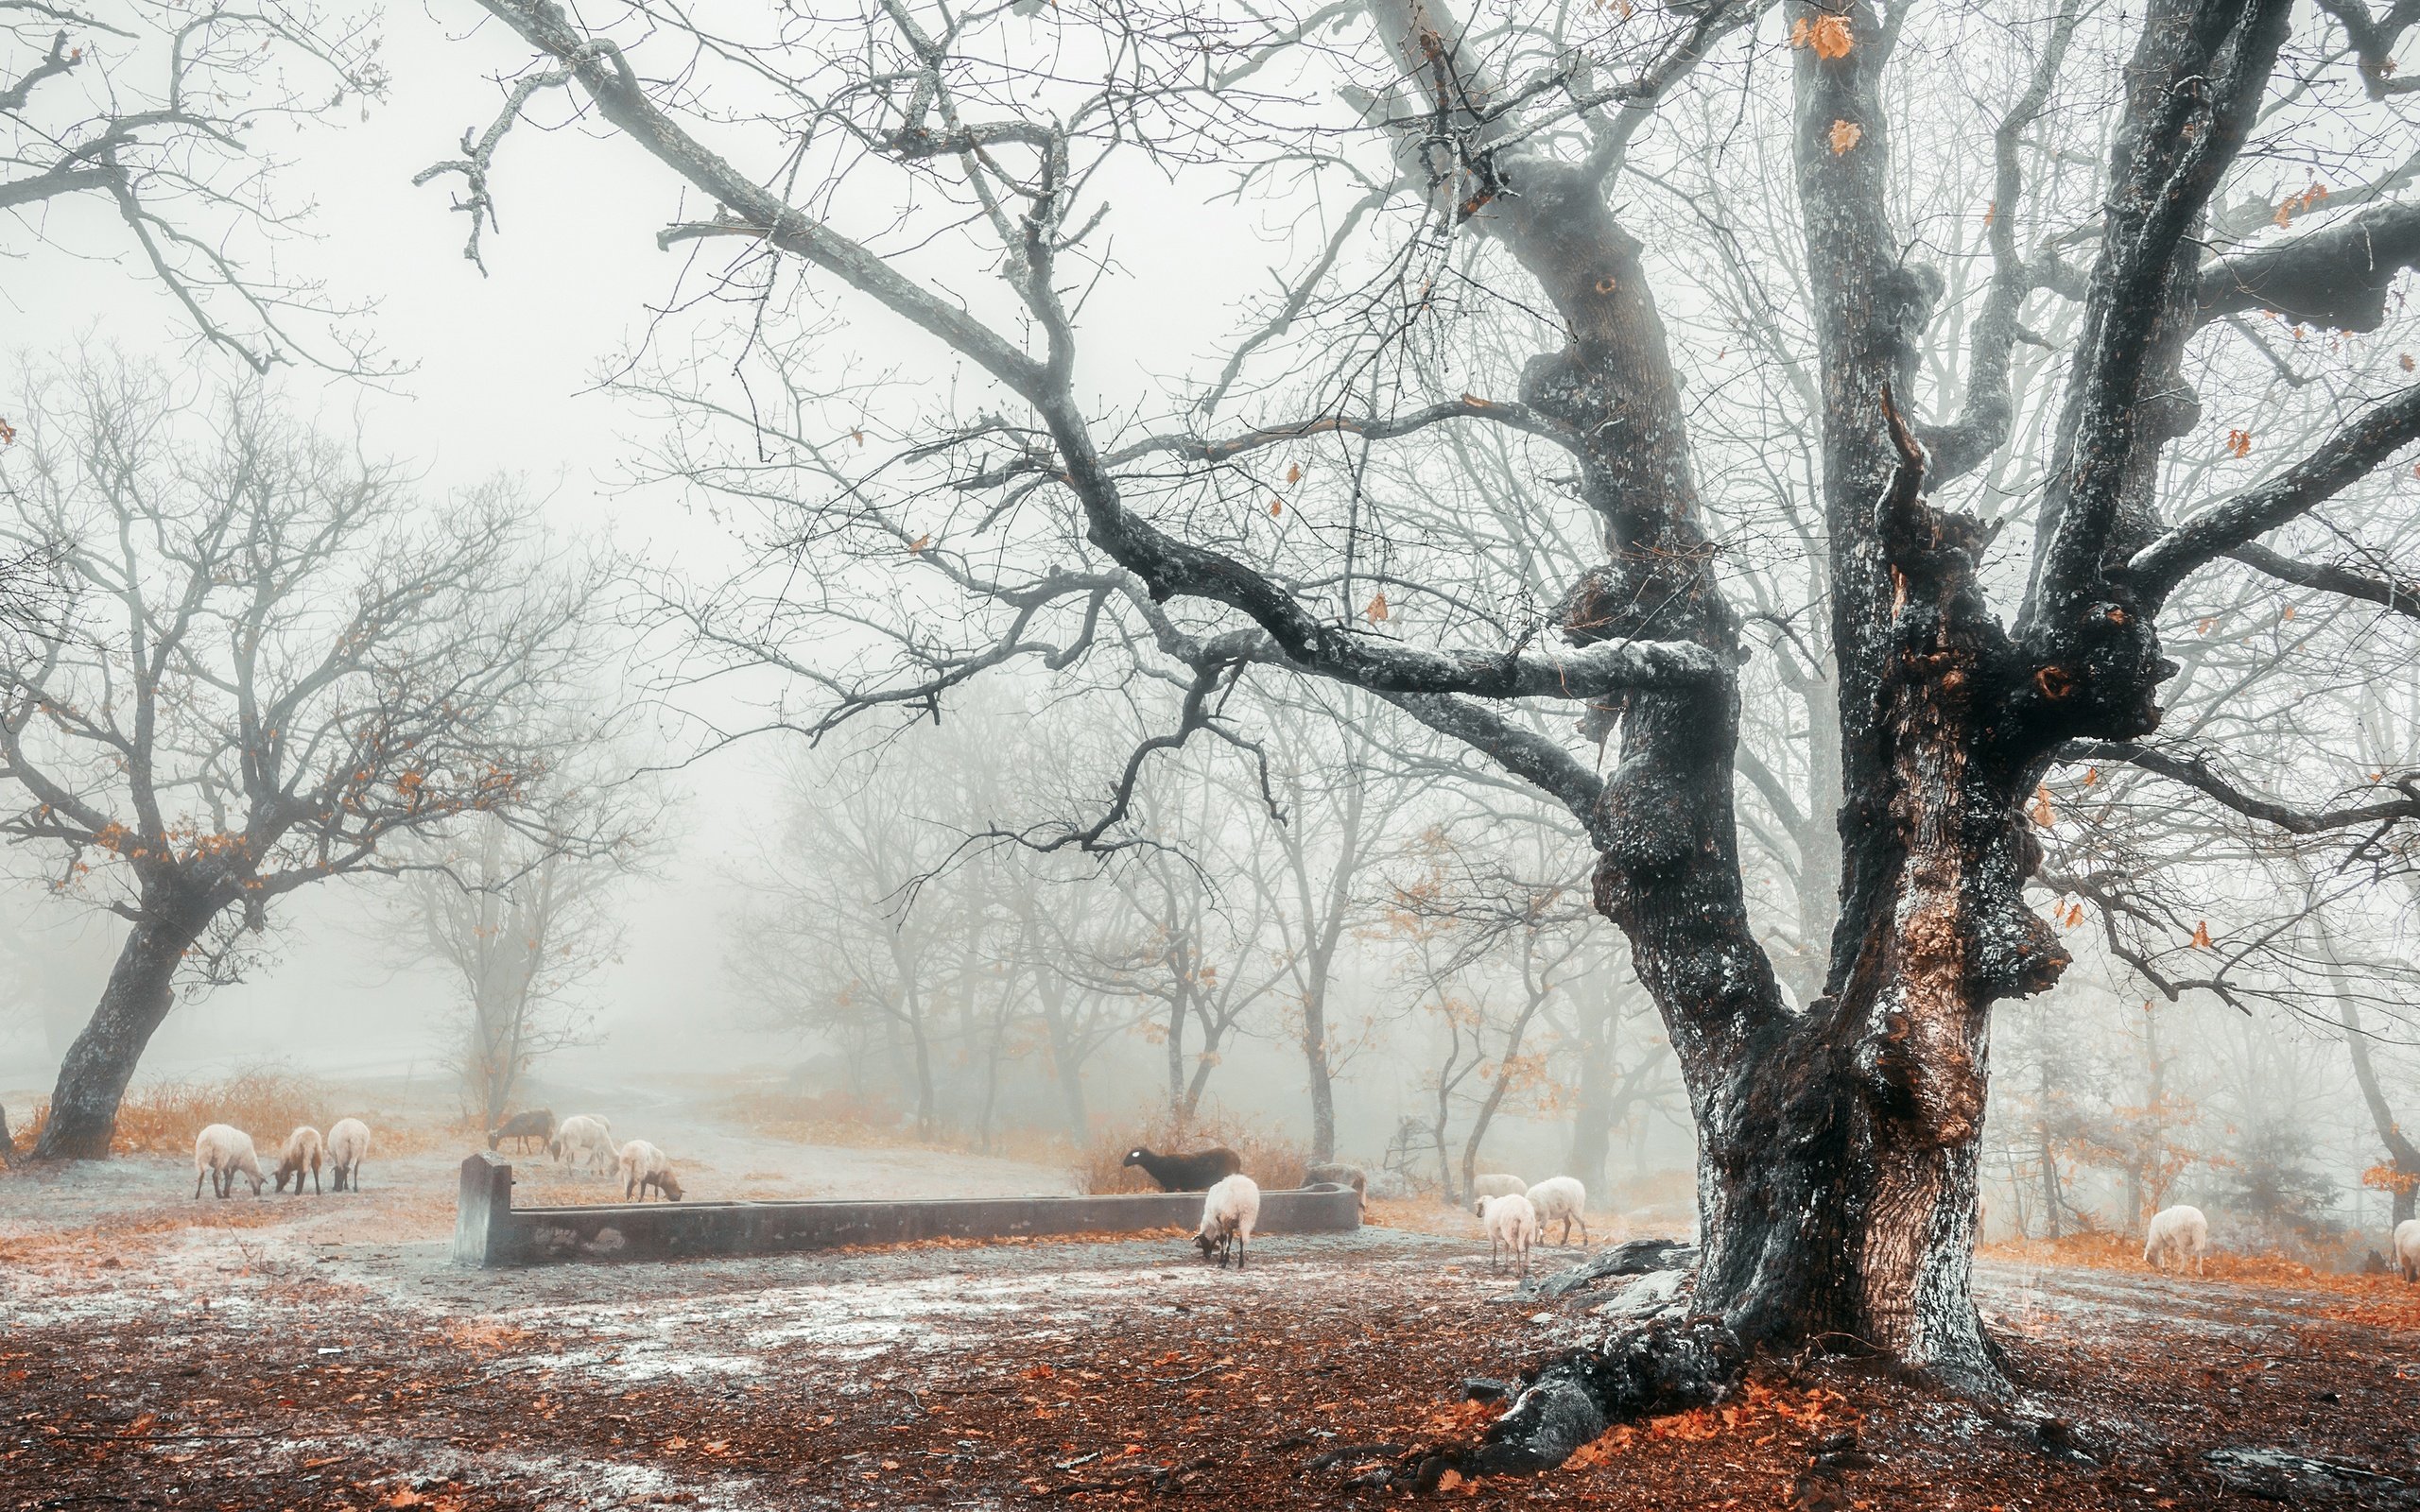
(1844, 136)
(1294, 474)
(1828, 35)
(1378, 608)
(2202, 934)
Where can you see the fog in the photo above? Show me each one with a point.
(847, 827)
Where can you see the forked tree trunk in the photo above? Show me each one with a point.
(93, 1077)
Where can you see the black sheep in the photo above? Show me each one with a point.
(1197, 1172)
(538, 1124)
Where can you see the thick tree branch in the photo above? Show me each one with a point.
(2195, 772)
(2400, 597)
(2356, 450)
(2338, 276)
(2374, 37)
(1525, 752)
(2194, 89)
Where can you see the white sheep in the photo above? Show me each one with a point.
(584, 1137)
(2180, 1232)
(1512, 1225)
(348, 1147)
(1498, 1185)
(220, 1154)
(303, 1150)
(1563, 1197)
(2407, 1249)
(644, 1166)
(1228, 1214)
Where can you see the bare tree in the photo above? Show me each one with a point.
(523, 915)
(282, 666)
(1338, 808)
(134, 130)
(1978, 644)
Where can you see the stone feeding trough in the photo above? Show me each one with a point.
(489, 1230)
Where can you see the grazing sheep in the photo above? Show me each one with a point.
(1227, 1216)
(583, 1138)
(1197, 1172)
(538, 1124)
(303, 1148)
(1343, 1176)
(2407, 1249)
(1563, 1197)
(1499, 1186)
(348, 1147)
(644, 1166)
(221, 1154)
(2180, 1232)
(1512, 1225)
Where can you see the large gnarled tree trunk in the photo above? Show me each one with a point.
(93, 1077)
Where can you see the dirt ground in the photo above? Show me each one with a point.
(323, 1353)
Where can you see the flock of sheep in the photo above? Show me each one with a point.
(223, 1155)
(1513, 1212)
(584, 1140)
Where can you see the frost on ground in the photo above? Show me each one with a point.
(325, 1354)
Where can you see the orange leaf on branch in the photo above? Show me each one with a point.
(1827, 35)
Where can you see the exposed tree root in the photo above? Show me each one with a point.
(1668, 1365)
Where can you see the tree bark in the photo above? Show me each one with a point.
(94, 1076)
(1321, 1079)
(2403, 1156)
(1591, 1120)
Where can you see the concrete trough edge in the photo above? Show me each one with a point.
(490, 1231)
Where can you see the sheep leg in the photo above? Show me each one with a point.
(1242, 1243)
(1584, 1240)
(198, 1174)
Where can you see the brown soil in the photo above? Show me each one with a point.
(1102, 1372)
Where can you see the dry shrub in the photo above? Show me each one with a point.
(1274, 1161)
(266, 1102)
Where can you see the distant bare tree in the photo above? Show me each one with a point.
(134, 129)
(521, 915)
(280, 666)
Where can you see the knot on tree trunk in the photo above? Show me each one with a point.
(2095, 672)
